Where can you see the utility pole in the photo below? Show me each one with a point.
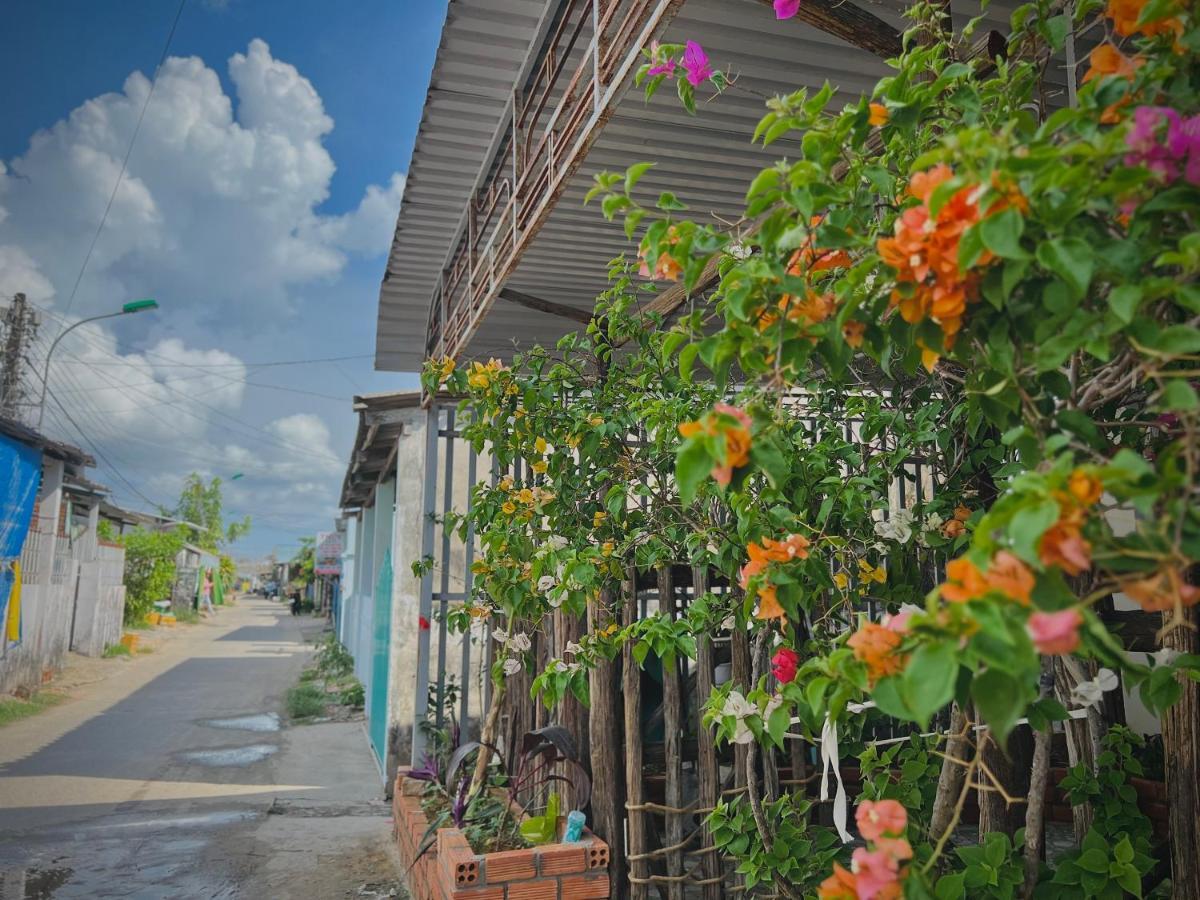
(18, 328)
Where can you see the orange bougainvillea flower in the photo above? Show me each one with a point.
(953, 528)
(666, 267)
(1063, 545)
(838, 886)
(962, 513)
(737, 438)
(1164, 590)
(852, 333)
(768, 604)
(875, 646)
(924, 253)
(1084, 487)
(1105, 60)
(1011, 577)
(964, 581)
(879, 115)
(794, 546)
(1125, 15)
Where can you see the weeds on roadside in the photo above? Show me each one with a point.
(13, 709)
(114, 650)
(305, 701)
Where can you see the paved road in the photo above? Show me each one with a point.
(159, 779)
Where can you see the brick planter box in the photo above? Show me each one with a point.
(451, 870)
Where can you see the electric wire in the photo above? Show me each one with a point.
(128, 151)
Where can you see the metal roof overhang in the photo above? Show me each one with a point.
(375, 443)
(707, 160)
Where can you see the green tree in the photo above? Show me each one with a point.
(304, 561)
(200, 506)
(149, 569)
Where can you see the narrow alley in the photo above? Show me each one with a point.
(176, 775)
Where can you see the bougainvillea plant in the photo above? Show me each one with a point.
(964, 269)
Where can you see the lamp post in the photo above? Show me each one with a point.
(133, 306)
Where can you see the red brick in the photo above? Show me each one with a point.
(562, 859)
(597, 854)
(584, 887)
(542, 889)
(510, 865)
(459, 864)
(477, 893)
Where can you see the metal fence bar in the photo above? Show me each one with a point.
(425, 606)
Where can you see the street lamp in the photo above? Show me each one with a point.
(133, 306)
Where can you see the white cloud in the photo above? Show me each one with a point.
(219, 200)
(216, 217)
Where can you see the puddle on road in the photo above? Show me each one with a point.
(231, 756)
(257, 722)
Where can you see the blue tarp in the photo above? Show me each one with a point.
(20, 474)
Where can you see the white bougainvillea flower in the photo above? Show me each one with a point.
(897, 528)
(520, 642)
(500, 635)
(1091, 693)
(546, 582)
(1164, 657)
(512, 666)
(572, 647)
(737, 706)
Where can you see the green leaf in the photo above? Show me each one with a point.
(1001, 233)
(950, 887)
(1028, 526)
(1123, 301)
(1123, 851)
(634, 174)
(1000, 699)
(1178, 395)
(928, 681)
(1070, 259)
(692, 466)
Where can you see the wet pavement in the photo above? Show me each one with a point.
(168, 791)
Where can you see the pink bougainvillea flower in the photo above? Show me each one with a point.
(661, 65)
(784, 663)
(1055, 633)
(1169, 154)
(875, 871)
(695, 61)
(786, 9)
(885, 818)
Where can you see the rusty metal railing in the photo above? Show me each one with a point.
(573, 78)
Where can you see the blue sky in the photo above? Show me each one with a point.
(257, 207)
(368, 59)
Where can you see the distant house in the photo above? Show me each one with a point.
(60, 585)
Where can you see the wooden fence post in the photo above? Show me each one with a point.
(608, 794)
(632, 689)
(708, 771)
(672, 745)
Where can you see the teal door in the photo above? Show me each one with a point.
(377, 702)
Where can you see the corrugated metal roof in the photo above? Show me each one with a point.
(706, 160)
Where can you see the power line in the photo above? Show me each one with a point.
(233, 365)
(128, 151)
(100, 453)
(271, 438)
